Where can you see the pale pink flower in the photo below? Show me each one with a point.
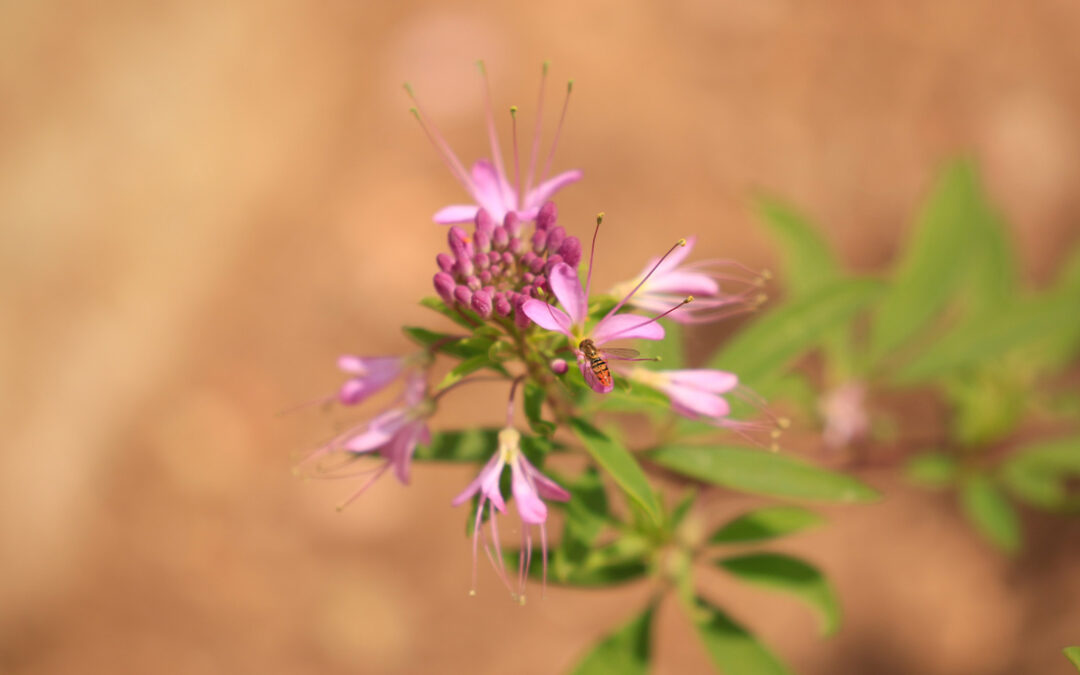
(392, 434)
(846, 419)
(530, 488)
(369, 376)
(673, 279)
(487, 182)
(696, 393)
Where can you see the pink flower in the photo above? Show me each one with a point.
(530, 487)
(846, 419)
(370, 375)
(393, 434)
(487, 183)
(693, 393)
(671, 280)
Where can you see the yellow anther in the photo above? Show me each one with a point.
(783, 422)
(521, 600)
(774, 448)
(688, 300)
(513, 110)
(599, 217)
(681, 242)
(472, 592)
(775, 433)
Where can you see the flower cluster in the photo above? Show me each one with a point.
(514, 283)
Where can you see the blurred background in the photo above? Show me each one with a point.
(203, 204)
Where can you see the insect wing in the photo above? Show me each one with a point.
(618, 353)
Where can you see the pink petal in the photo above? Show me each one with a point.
(477, 482)
(370, 439)
(715, 381)
(490, 485)
(567, 288)
(682, 283)
(544, 191)
(529, 505)
(456, 213)
(700, 402)
(488, 189)
(627, 327)
(547, 316)
(670, 262)
(590, 379)
(547, 488)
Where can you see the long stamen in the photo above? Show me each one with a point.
(510, 403)
(681, 242)
(517, 160)
(592, 252)
(363, 488)
(489, 112)
(522, 557)
(528, 560)
(685, 302)
(436, 138)
(543, 548)
(535, 152)
(476, 543)
(558, 131)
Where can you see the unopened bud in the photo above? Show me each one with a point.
(551, 263)
(444, 286)
(483, 241)
(556, 236)
(445, 261)
(500, 238)
(558, 366)
(512, 224)
(484, 222)
(481, 261)
(547, 216)
(571, 251)
(502, 305)
(481, 303)
(539, 241)
(473, 282)
(515, 245)
(456, 239)
(463, 295)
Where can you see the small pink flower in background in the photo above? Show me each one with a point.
(530, 488)
(846, 419)
(393, 434)
(693, 393)
(671, 280)
(369, 376)
(488, 182)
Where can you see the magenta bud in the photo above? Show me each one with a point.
(484, 222)
(463, 267)
(515, 245)
(444, 286)
(508, 259)
(502, 305)
(463, 295)
(521, 319)
(535, 265)
(558, 366)
(528, 258)
(481, 303)
(485, 276)
(500, 238)
(547, 216)
(482, 262)
(539, 241)
(512, 224)
(445, 262)
(483, 241)
(540, 281)
(551, 263)
(571, 251)
(556, 236)
(473, 282)
(494, 256)
(456, 239)
(528, 277)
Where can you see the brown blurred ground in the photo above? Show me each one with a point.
(202, 204)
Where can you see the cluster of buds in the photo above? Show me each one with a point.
(496, 270)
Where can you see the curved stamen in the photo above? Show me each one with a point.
(558, 131)
(493, 136)
(535, 152)
(441, 146)
(681, 242)
(656, 318)
(592, 252)
(363, 488)
(510, 404)
(519, 196)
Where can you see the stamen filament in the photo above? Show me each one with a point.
(517, 161)
(681, 242)
(592, 252)
(558, 132)
(685, 302)
(493, 136)
(364, 487)
(535, 152)
(441, 146)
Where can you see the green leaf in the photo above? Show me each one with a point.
(990, 512)
(474, 445)
(466, 368)
(733, 649)
(1039, 474)
(993, 266)
(534, 410)
(763, 350)
(624, 652)
(764, 524)
(761, 472)
(464, 318)
(789, 575)
(808, 261)
(622, 561)
(932, 469)
(620, 464)
(994, 334)
(930, 269)
(681, 509)
(462, 348)
(1073, 654)
(586, 516)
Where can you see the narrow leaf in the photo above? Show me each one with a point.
(620, 464)
(1040, 473)
(534, 410)
(474, 445)
(808, 261)
(760, 472)
(586, 515)
(789, 575)
(763, 350)
(464, 318)
(733, 649)
(466, 368)
(990, 512)
(766, 523)
(931, 469)
(930, 269)
(624, 652)
(1073, 654)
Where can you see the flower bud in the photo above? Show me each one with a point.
(521, 319)
(482, 261)
(481, 303)
(502, 305)
(463, 295)
(539, 241)
(515, 245)
(547, 216)
(483, 241)
(551, 263)
(508, 259)
(571, 251)
(494, 256)
(484, 222)
(535, 265)
(556, 236)
(558, 366)
(463, 267)
(528, 277)
(444, 286)
(485, 276)
(500, 238)
(473, 282)
(445, 261)
(456, 239)
(540, 281)
(512, 224)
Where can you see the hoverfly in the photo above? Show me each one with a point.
(597, 363)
